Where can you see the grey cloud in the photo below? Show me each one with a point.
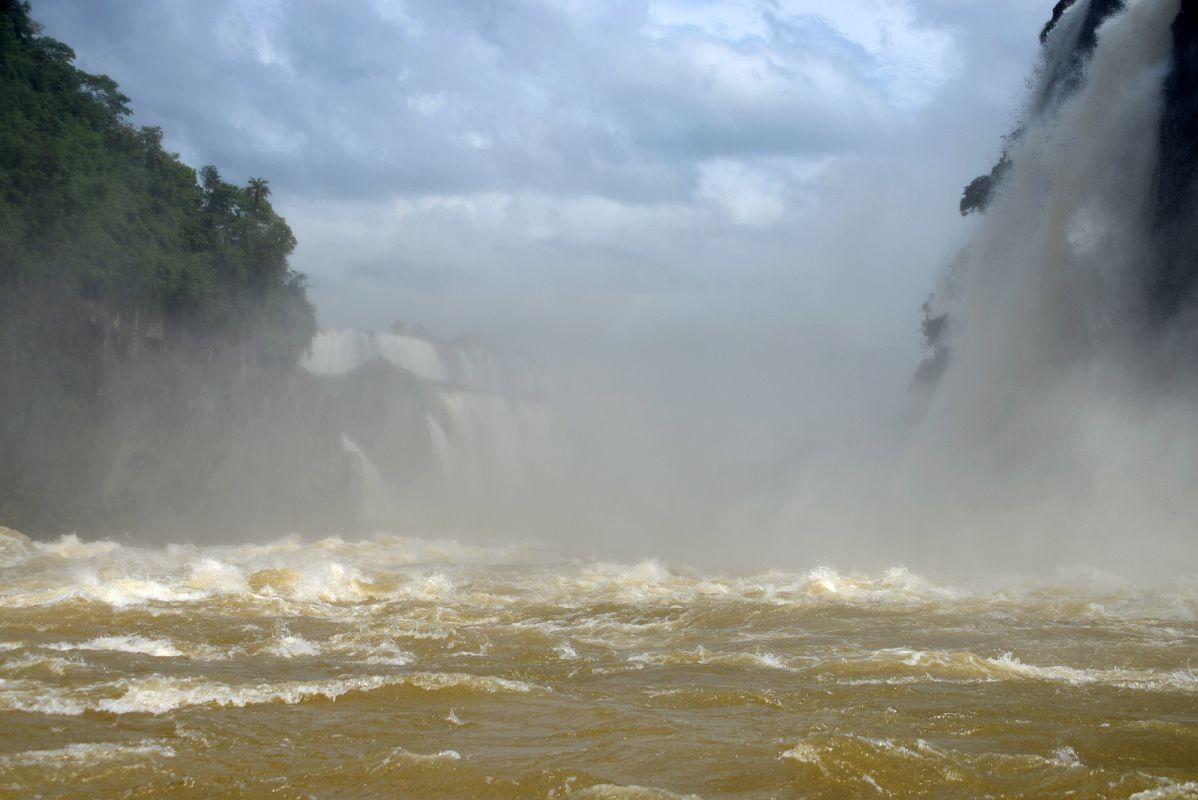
(450, 97)
(395, 270)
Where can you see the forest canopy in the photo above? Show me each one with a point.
(93, 205)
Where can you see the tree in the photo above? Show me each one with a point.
(258, 190)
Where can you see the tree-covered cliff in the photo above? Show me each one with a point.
(93, 205)
(148, 316)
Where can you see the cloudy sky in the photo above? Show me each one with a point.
(513, 164)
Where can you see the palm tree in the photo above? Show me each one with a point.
(258, 190)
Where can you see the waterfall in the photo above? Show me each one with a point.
(434, 428)
(1063, 410)
(443, 449)
(1052, 285)
(495, 441)
(376, 501)
(336, 352)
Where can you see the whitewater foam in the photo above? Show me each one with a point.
(87, 754)
(291, 646)
(1170, 791)
(161, 648)
(160, 695)
(401, 756)
(614, 792)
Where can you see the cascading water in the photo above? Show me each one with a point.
(376, 501)
(1063, 387)
(1054, 278)
(337, 352)
(430, 425)
(495, 439)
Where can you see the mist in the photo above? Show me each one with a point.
(707, 231)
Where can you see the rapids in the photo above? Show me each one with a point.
(404, 667)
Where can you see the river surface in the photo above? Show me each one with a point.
(414, 669)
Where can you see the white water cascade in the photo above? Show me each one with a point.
(376, 501)
(1043, 432)
(477, 435)
(483, 439)
(337, 352)
(1046, 291)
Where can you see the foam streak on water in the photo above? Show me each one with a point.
(403, 667)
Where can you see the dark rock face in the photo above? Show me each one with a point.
(1064, 62)
(1057, 12)
(1096, 14)
(384, 409)
(1174, 278)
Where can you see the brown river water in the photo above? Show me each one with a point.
(401, 668)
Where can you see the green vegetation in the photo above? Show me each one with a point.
(94, 205)
(148, 316)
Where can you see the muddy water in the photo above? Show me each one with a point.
(405, 668)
